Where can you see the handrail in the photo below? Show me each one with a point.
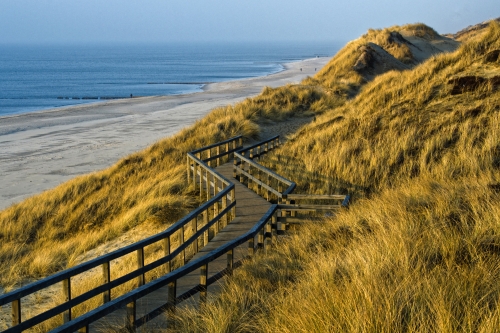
(225, 193)
(244, 164)
(201, 263)
(236, 143)
(220, 143)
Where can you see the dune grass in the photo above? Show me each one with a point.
(419, 258)
(419, 249)
(48, 232)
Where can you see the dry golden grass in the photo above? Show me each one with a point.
(400, 126)
(340, 78)
(419, 249)
(420, 258)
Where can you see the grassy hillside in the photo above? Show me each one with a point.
(412, 135)
(145, 191)
(419, 249)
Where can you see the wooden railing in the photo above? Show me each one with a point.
(199, 171)
(265, 182)
(299, 208)
(191, 232)
(274, 187)
(260, 236)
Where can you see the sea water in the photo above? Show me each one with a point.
(37, 77)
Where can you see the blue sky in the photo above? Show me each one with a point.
(87, 21)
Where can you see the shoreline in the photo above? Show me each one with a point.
(41, 149)
(103, 99)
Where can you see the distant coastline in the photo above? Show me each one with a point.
(57, 76)
(41, 149)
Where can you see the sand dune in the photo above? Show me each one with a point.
(40, 150)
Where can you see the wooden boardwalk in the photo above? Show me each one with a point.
(250, 207)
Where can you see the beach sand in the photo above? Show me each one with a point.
(41, 150)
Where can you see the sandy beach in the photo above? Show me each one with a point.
(40, 150)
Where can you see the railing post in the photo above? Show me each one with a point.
(216, 186)
(106, 277)
(274, 226)
(227, 149)
(259, 187)
(195, 174)
(140, 264)
(166, 250)
(201, 181)
(131, 316)
(293, 213)
(181, 241)
(240, 142)
(268, 237)
(266, 149)
(209, 153)
(233, 196)
(16, 312)
(195, 229)
(260, 238)
(230, 262)
(84, 329)
(207, 178)
(279, 225)
(268, 184)
(172, 296)
(216, 212)
(251, 247)
(224, 206)
(218, 153)
(205, 222)
(235, 165)
(203, 284)
(188, 165)
(250, 176)
(66, 315)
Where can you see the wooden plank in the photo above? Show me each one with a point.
(315, 196)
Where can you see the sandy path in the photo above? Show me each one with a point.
(40, 150)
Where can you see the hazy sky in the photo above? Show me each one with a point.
(49, 21)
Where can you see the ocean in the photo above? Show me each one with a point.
(37, 77)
